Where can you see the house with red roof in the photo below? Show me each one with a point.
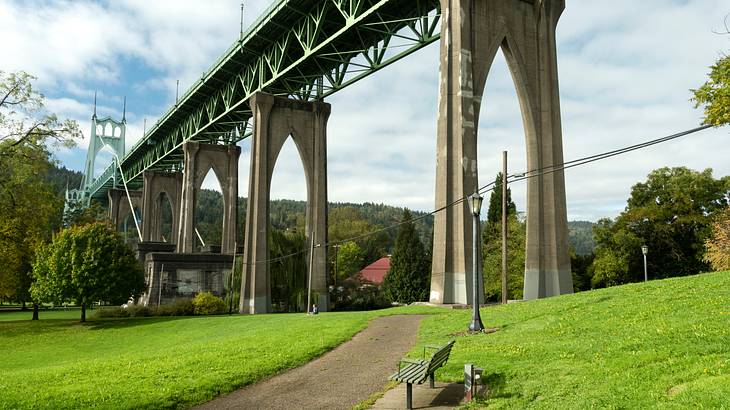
(375, 272)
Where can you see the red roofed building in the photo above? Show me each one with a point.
(375, 272)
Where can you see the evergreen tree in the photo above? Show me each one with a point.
(494, 213)
(492, 259)
(408, 278)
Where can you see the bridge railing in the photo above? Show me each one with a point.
(102, 180)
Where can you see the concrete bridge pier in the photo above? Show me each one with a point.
(157, 184)
(199, 159)
(275, 119)
(472, 32)
(119, 206)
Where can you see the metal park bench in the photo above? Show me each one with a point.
(412, 371)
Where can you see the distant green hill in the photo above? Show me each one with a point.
(580, 237)
(289, 214)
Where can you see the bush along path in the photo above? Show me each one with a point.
(339, 379)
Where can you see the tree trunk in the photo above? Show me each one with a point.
(23, 307)
(35, 311)
(83, 312)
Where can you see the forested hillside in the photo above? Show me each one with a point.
(580, 237)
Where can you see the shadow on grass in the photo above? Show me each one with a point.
(127, 322)
(18, 327)
(496, 384)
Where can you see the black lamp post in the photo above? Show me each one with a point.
(645, 250)
(476, 321)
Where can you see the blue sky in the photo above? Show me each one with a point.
(625, 67)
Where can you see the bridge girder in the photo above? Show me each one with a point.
(301, 49)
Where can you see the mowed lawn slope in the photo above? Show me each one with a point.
(157, 362)
(662, 344)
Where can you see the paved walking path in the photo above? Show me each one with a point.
(339, 379)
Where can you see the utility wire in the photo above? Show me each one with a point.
(515, 178)
(597, 157)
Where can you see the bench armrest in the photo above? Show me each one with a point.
(434, 347)
(407, 360)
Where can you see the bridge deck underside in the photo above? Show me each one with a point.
(301, 49)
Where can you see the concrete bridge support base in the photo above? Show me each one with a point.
(158, 186)
(275, 119)
(199, 159)
(472, 32)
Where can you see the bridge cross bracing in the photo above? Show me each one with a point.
(300, 49)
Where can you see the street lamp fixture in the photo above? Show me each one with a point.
(476, 321)
(645, 250)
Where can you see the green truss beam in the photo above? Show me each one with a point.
(302, 49)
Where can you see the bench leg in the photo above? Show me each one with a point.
(431, 381)
(409, 396)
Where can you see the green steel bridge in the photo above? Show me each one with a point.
(301, 49)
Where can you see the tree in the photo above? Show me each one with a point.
(718, 244)
(23, 119)
(349, 259)
(348, 222)
(714, 95)
(671, 214)
(492, 259)
(288, 269)
(408, 278)
(86, 264)
(494, 212)
(30, 208)
(78, 214)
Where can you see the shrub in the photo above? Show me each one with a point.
(180, 307)
(207, 304)
(130, 311)
(350, 298)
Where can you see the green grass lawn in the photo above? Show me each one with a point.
(664, 344)
(58, 362)
(58, 313)
(661, 344)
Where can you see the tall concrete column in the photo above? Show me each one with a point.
(185, 239)
(275, 119)
(155, 185)
(472, 33)
(199, 159)
(230, 199)
(119, 205)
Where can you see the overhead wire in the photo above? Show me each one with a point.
(514, 178)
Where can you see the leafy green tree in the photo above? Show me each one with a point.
(714, 95)
(348, 222)
(718, 244)
(288, 269)
(349, 260)
(408, 278)
(30, 208)
(671, 213)
(86, 264)
(78, 214)
(581, 270)
(492, 259)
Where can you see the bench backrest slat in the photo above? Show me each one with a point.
(439, 357)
